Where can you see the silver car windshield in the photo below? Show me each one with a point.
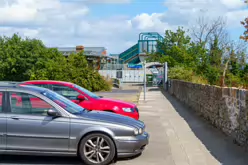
(65, 103)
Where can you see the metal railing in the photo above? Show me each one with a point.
(109, 66)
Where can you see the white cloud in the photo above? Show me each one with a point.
(38, 11)
(68, 22)
(154, 21)
(8, 31)
(233, 4)
(186, 11)
(107, 1)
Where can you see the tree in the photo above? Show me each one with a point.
(245, 24)
(245, 34)
(174, 48)
(210, 57)
(233, 59)
(79, 72)
(215, 53)
(206, 30)
(29, 59)
(25, 59)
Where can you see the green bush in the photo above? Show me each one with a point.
(212, 74)
(180, 73)
(233, 80)
(185, 74)
(245, 80)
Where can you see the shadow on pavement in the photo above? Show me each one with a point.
(41, 160)
(154, 89)
(44, 160)
(130, 158)
(218, 144)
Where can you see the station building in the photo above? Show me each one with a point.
(96, 56)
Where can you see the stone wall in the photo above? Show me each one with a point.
(225, 108)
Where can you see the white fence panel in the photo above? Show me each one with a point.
(108, 73)
(131, 76)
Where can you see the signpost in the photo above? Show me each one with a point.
(134, 66)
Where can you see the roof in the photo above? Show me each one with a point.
(67, 49)
(97, 49)
(73, 49)
(89, 51)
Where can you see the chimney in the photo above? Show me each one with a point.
(104, 53)
(79, 48)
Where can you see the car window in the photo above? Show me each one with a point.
(1, 98)
(24, 103)
(65, 103)
(65, 91)
(86, 91)
(42, 85)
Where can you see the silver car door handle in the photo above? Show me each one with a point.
(15, 117)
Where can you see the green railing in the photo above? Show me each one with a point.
(129, 53)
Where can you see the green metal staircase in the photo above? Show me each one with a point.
(147, 43)
(130, 53)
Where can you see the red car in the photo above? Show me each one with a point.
(87, 99)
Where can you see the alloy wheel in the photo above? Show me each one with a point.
(97, 149)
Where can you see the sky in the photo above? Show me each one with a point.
(113, 24)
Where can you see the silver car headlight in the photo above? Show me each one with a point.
(127, 109)
(136, 131)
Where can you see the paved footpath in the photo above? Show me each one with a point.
(178, 137)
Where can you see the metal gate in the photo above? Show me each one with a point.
(157, 76)
(124, 74)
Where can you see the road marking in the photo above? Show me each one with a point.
(148, 113)
(145, 106)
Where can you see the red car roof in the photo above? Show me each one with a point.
(48, 82)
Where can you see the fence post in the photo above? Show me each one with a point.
(165, 76)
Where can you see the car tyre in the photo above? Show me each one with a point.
(97, 149)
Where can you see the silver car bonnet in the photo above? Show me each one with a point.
(110, 117)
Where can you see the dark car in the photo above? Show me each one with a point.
(87, 99)
(38, 121)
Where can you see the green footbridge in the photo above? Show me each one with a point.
(147, 43)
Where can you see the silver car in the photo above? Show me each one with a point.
(37, 121)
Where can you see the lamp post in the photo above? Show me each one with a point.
(144, 80)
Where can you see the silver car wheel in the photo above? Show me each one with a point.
(96, 149)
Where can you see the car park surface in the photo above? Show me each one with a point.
(177, 137)
(60, 127)
(88, 99)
